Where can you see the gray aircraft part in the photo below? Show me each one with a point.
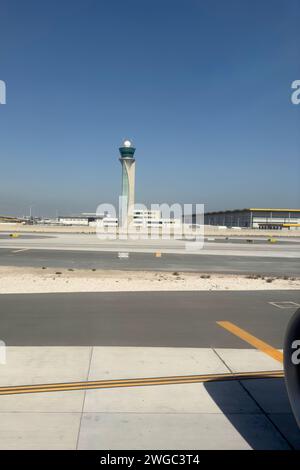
(291, 360)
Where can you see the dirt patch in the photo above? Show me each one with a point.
(43, 280)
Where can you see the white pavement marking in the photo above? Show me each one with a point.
(285, 304)
(123, 255)
(21, 249)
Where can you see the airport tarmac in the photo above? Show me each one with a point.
(238, 246)
(242, 239)
(65, 337)
(205, 263)
(242, 414)
(85, 251)
(60, 338)
(152, 319)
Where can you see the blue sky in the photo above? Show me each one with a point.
(201, 86)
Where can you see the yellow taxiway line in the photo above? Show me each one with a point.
(172, 380)
(257, 343)
(139, 382)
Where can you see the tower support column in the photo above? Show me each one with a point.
(128, 183)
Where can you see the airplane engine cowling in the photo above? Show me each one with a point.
(291, 361)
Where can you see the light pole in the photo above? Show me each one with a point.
(30, 211)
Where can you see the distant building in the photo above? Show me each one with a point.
(261, 218)
(152, 218)
(7, 219)
(108, 222)
(89, 219)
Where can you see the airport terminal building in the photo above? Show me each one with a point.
(275, 219)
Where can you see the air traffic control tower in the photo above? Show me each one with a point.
(128, 180)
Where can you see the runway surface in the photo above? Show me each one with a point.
(148, 261)
(177, 319)
(239, 246)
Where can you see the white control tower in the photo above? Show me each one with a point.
(128, 181)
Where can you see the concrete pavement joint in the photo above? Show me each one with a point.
(256, 402)
(83, 401)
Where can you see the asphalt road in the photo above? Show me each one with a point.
(177, 319)
(148, 261)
